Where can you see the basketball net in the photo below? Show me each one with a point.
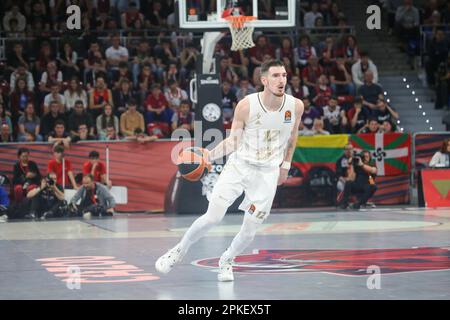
(240, 28)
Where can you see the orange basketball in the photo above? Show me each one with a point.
(192, 163)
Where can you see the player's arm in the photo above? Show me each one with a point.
(231, 143)
(292, 143)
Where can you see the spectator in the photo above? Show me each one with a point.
(245, 88)
(360, 68)
(77, 117)
(54, 95)
(388, 127)
(310, 114)
(157, 107)
(340, 79)
(334, 117)
(123, 75)
(407, 22)
(226, 71)
(311, 16)
(94, 64)
(261, 48)
(323, 92)
(328, 55)
(122, 96)
(26, 175)
(146, 81)
(167, 54)
(155, 16)
(363, 184)
(131, 120)
(97, 169)
(370, 91)
(286, 50)
(304, 52)
(437, 53)
(372, 126)
(38, 13)
(144, 55)
(105, 120)
(55, 165)
(5, 120)
(21, 72)
(59, 136)
(49, 120)
(15, 14)
(18, 57)
(229, 101)
(69, 62)
(115, 54)
(342, 170)
(5, 135)
(82, 134)
(174, 95)
(312, 72)
(99, 96)
(141, 137)
(47, 199)
(73, 93)
(441, 159)
(111, 134)
(240, 63)
(188, 58)
(358, 115)
(443, 85)
(29, 124)
(95, 199)
(128, 18)
(50, 77)
(349, 50)
(183, 118)
(384, 112)
(296, 89)
(317, 129)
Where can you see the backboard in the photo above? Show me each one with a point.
(206, 15)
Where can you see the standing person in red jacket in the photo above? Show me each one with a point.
(97, 168)
(56, 165)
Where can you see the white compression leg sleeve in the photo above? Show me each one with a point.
(243, 239)
(201, 226)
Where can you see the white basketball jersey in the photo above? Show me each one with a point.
(266, 133)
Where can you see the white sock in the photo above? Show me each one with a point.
(202, 225)
(243, 239)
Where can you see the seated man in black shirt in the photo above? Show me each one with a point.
(47, 199)
(360, 181)
(26, 175)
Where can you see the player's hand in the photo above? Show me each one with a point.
(283, 176)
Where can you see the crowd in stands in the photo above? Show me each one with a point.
(101, 86)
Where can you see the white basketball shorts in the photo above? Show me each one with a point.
(258, 183)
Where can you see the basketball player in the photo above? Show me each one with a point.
(261, 142)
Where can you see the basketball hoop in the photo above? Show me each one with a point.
(241, 31)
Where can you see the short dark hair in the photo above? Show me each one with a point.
(79, 102)
(372, 119)
(185, 102)
(22, 150)
(444, 145)
(131, 102)
(271, 63)
(58, 149)
(59, 122)
(90, 176)
(94, 155)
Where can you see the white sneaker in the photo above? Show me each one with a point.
(166, 262)
(3, 218)
(225, 270)
(87, 215)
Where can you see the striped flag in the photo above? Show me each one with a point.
(321, 150)
(390, 151)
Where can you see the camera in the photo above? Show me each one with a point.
(50, 182)
(357, 157)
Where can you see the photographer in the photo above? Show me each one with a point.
(361, 180)
(342, 165)
(95, 199)
(47, 199)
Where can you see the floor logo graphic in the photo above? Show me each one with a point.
(342, 262)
